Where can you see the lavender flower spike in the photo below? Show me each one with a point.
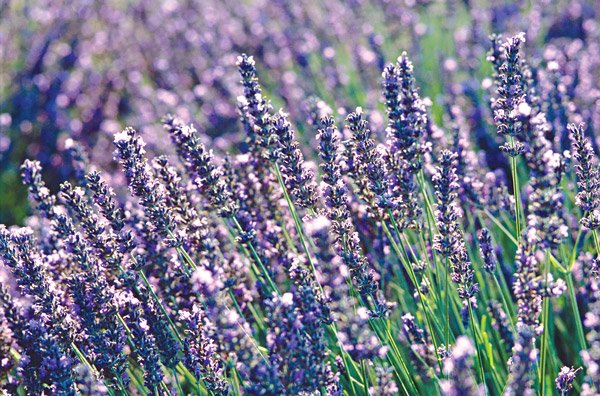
(200, 352)
(446, 215)
(130, 151)
(298, 178)
(255, 109)
(487, 251)
(511, 96)
(334, 194)
(370, 163)
(406, 113)
(564, 380)
(588, 177)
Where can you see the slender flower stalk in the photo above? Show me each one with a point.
(509, 106)
(334, 195)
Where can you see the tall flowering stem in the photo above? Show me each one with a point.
(347, 244)
(449, 243)
(370, 165)
(509, 107)
(407, 121)
(588, 199)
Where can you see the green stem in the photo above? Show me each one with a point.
(258, 260)
(412, 276)
(574, 253)
(365, 377)
(508, 307)
(576, 313)
(177, 382)
(513, 168)
(162, 308)
(595, 233)
(300, 231)
(544, 341)
(479, 355)
(447, 303)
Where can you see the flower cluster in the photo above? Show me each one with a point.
(370, 165)
(449, 242)
(522, 363)
(588, 179)
(510, 103)
(298, 178)
(406, 113)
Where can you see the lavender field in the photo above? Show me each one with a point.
(299, 198)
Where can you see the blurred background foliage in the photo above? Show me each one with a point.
(72, 73)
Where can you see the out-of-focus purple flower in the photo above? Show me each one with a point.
(459, 368)
(522, 364)
(591, 356)
(385, 383)
(501, 322)
(545, 199)
(422, 351)
(357, 339)
(528, 285)
(296, 340)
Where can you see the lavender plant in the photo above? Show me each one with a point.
(307, 221)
